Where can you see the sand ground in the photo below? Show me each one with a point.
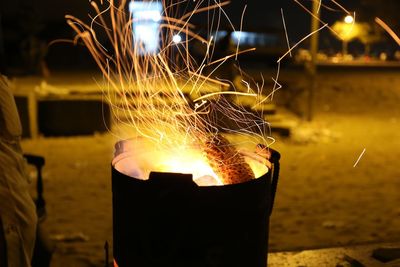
(324, 199)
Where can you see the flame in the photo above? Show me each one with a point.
(186, 160)
(166, 98)
(138, 157)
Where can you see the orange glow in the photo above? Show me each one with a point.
(138, 158)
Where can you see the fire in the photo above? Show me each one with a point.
(163, 99)
(138, 157)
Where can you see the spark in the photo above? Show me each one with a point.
(276, 86)
(299, 42)
(199, 10)
(240, 31)
(388, 29)
(226, 15)
(286, 34)
(316, 17)
(226, 85)
(359, 158)
(230, 56)
(319, 6)
(163, 97)
(223, 93)
(341, 7)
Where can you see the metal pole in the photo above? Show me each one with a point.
(344, 48)
(312, 70)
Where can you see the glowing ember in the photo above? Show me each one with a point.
(163, 100)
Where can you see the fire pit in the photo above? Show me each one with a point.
(217, 213)
(168, 220)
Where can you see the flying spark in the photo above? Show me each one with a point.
(359, 158)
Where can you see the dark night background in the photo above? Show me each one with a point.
(258, 13)
(44, 20)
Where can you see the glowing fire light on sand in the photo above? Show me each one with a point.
(152, 91)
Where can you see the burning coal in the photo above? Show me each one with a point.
(163, 101)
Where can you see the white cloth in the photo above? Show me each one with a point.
(17, 209)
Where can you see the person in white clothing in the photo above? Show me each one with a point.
(18, 219)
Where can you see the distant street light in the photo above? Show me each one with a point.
(346, 30)
(348, 19)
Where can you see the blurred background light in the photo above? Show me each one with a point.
(146, 25)
(176, 38)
